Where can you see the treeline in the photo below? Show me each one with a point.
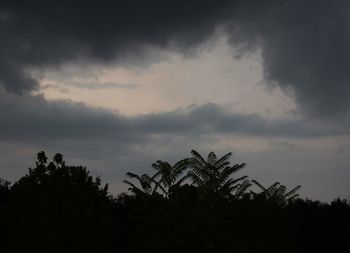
(195, 205)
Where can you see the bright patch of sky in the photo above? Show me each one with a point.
(213, 75)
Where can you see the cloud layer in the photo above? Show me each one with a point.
(32, 118)
(305, 45)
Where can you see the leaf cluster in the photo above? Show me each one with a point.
(213, 177)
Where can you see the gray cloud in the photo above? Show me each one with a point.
(305, 45)
(39, 33)
(62, 87)
(55, 87)
(32, 118)
(94, 86)
(211, 118)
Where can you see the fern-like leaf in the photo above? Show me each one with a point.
(199, 158)
(222, 160)
(292, 192)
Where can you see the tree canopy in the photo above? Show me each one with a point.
(195, 205)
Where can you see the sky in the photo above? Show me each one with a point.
(117, 85)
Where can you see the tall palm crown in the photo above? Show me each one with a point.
(215, 174)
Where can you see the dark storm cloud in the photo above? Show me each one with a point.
(305, 44)
(47, 33)
(211, 118)
(33, 119)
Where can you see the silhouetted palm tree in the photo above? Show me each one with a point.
(215, 174)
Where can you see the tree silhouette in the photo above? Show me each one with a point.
(60, 208)
(145, 182)
(170, 176)
(276, 192)
(4, 208)
(4, 186)
(56, 204)
(215, 174)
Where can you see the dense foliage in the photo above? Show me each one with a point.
(195, 205)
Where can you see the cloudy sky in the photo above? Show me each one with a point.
(116, 85)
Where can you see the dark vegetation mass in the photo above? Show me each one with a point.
(195, 205)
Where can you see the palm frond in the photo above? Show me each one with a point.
(178, 169)
(146, 183)
(223, 176)
(196, 180)
(222, 166)
(176, 174)
(181, 180)
(199, 158)
(238, 167)
(222, 160)
(129, 183)
(239, 179)
(201, 172)
(231, 185)
(280, 191)
(226, 188)
(271, 190)
(242, 188)
(157, 174)
(133, 187)
(158, 185)
(292, 192)
(292, 197)
(157, 165)
(262, 188)
(133, 175)
(226, 173)
(182, 163)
